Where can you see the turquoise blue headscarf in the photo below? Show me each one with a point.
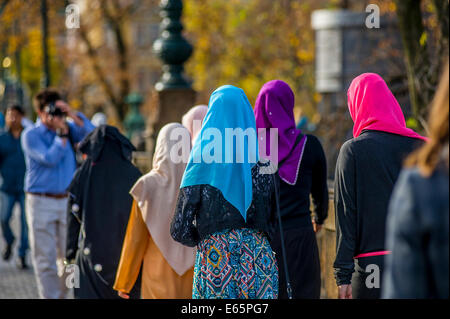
(228, 108)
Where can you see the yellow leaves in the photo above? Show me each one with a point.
(334, 3)
(316, 118)
(14, 42)
(294, 41)
(392, 7)
(8, 16)
(317, 97)
(299, 71)
(251, 86)
(35, 47)
(412, 123)
(260, 18)
(247, 43)
(242, 15)
(96, 36)
(296, 5)
(75, 103)
(433, 23)
(112, 120)
(202, 43)
(305, 55)
(423, 39)
(429, 7)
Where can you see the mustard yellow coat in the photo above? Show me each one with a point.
(159, 280)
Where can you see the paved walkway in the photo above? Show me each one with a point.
(14, 282)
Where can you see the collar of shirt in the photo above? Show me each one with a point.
(44, 130)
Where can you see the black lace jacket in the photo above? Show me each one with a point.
(202, 210)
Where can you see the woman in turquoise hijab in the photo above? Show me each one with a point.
(226, 204)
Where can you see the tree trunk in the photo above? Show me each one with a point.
(411, 29)
(116, 96)
(115, 21)
(423, 73)
(105, 84)
(442, 10)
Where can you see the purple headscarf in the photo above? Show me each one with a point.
(275, 109)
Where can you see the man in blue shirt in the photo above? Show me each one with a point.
(12, 171)
(50, 160)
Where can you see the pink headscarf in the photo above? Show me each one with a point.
(196, 113)
(372, 106)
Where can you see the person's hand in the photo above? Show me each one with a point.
(59, 123)
(345, 292)
(316, 226)
(123, 295)
(64, 108)
(70, 113)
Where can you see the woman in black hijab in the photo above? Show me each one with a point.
(99, 208)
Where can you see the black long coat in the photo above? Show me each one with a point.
(99, 209)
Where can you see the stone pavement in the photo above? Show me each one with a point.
(14, 282)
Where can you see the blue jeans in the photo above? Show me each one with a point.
(6, 210)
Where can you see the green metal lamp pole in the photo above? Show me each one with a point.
(171, 47)
(134, 122)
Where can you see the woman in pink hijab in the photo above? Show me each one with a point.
(193, 120)
(367, 169)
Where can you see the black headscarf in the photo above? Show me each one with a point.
(100, 200)
(94, 143)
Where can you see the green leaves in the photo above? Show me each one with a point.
(412, 123)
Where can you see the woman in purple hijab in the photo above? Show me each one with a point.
(302, 171)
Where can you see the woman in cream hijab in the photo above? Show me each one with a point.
(167, 270)
(193, 120)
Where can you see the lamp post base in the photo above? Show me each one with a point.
(168, 105)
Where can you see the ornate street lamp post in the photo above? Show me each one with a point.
(173, 94)
(171, 47)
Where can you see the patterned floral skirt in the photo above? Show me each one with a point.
(235, 264)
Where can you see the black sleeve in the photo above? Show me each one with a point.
(345, 208)
(183, 228)
(74, 216)
(319, 187)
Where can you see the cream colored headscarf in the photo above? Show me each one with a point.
(196, 113)
(156, 194)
